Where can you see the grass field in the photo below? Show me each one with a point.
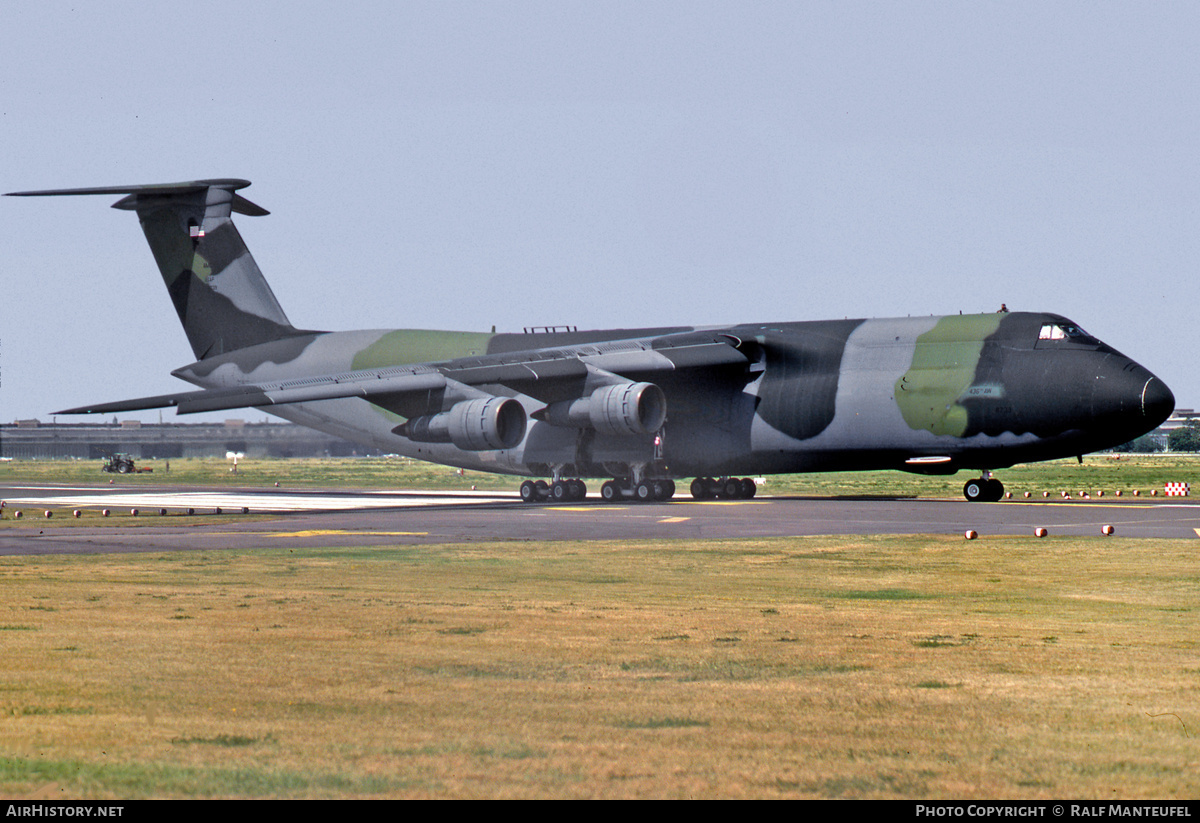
(894, 667)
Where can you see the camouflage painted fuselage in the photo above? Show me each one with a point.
(925, 394)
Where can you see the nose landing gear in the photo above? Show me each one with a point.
(985, 489)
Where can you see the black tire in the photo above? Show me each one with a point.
(644, 492)
(995, 490)
(529, 492)
(610, 491)
(975, 490)
(700, 490)
(749, 488)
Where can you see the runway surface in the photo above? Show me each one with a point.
(315, 518)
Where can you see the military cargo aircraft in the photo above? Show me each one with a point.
(641, 408)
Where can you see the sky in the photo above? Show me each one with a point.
(463, 165)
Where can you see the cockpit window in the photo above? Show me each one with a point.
(1065, 331)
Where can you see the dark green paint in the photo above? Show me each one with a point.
(943, 368)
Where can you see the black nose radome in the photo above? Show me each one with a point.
(1157, 402)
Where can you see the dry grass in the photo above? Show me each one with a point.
(819, 667)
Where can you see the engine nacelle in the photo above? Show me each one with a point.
(621, 409)
(472, 425)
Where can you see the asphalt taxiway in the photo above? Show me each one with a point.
(316, 518)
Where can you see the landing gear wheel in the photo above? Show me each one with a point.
(565, 491)
(995, 490)
(701, 490)
(749, 488)
(529, 492)
(988, 490)
(973, 490)
(662, 489)
(610, 491)
(643, 492)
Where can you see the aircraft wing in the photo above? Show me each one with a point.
(547, 375)
(271, 394)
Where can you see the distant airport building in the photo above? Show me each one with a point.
(1178, 419)
(33, 440)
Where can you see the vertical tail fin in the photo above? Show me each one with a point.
(221, 297)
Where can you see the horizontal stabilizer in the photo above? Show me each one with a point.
(161, 190)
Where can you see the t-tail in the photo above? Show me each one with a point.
(221, 297)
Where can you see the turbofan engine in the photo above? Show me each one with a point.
(472, 425)
(621, 409)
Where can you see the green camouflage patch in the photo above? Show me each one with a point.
(404, 346)
(943, 368)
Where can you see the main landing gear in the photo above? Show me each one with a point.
(643, 492)
(569, 491)
(646, 490)
(985, 489)
(725, 488)
(560, 491)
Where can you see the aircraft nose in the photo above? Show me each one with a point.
(1157, 401)
(1129, 398)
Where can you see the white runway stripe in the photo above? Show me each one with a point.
(266, 502)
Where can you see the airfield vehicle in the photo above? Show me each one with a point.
(120, 463)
